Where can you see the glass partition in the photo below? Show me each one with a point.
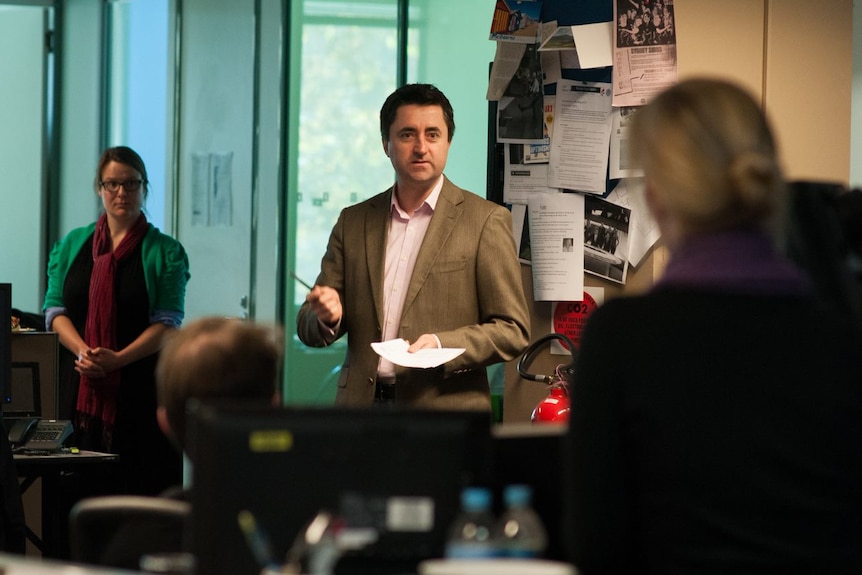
(25, 32)
(137, 72)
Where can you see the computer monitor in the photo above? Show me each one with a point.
(396, 472)
(25, 391)
(533, 454)
(5, 342)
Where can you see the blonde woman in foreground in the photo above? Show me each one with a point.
(716, 421)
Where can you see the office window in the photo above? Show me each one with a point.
(26, 97)
(137, 90)
(348, 67)
(343, 65)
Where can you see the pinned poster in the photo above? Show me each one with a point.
(556, 224)
(570, 317)
(516, 21)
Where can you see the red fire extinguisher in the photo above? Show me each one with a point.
(555, 407)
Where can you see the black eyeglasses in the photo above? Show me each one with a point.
(128, 185)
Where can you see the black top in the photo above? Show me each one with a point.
(715, 433)
(148, 462)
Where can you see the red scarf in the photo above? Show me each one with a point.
(97, 397)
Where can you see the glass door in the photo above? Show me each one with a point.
(343, 64)
(215, 153)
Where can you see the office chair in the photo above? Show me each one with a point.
(824, 239)
(116, 530)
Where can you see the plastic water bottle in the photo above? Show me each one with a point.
(520, 531)
(471, 535)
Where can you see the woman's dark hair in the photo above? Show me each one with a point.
(420, 95)
(122, 155)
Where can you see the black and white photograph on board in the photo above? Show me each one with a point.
(606, 239)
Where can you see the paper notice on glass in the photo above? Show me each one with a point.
(556, 223)
(395, 350)
(221, 178)
(200, 189)
(581, 136)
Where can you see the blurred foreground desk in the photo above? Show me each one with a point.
(49, 468)
(18, 565)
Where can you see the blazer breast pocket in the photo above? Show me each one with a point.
(449, 266)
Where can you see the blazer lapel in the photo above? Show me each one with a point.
(376, 224)
(444, 220)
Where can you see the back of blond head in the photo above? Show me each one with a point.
(709, 155)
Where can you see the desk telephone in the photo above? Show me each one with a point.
(39, 435)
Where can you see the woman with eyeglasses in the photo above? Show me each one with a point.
(115, 288)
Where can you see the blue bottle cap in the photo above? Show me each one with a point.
(476, 498)
(517, 495)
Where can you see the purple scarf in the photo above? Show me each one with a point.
(739, 261)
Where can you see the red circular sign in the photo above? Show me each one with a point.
(570, 317)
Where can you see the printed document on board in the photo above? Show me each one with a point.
(556, 223)
(581, 136)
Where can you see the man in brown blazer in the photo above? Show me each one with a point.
(424, 261)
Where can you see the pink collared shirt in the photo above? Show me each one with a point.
(402, 248)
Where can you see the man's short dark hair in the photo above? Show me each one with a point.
(420, 95)
(216, 358)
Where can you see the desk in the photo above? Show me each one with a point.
(54, 540)
(18, 565)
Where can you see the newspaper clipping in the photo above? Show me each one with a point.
(645, 50)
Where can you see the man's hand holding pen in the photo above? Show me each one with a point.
(326, 304)
(324, 300)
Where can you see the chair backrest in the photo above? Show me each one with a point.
(116, 530)
(823, 238)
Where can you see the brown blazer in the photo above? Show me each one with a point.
(466, 288)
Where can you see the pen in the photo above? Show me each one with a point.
(256, 539)
(304, 284)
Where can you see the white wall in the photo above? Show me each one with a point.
(795, 55)
(808, 79)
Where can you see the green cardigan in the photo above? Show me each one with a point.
(166, 270)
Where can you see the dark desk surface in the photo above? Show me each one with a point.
(31, 463)
(49, 468)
